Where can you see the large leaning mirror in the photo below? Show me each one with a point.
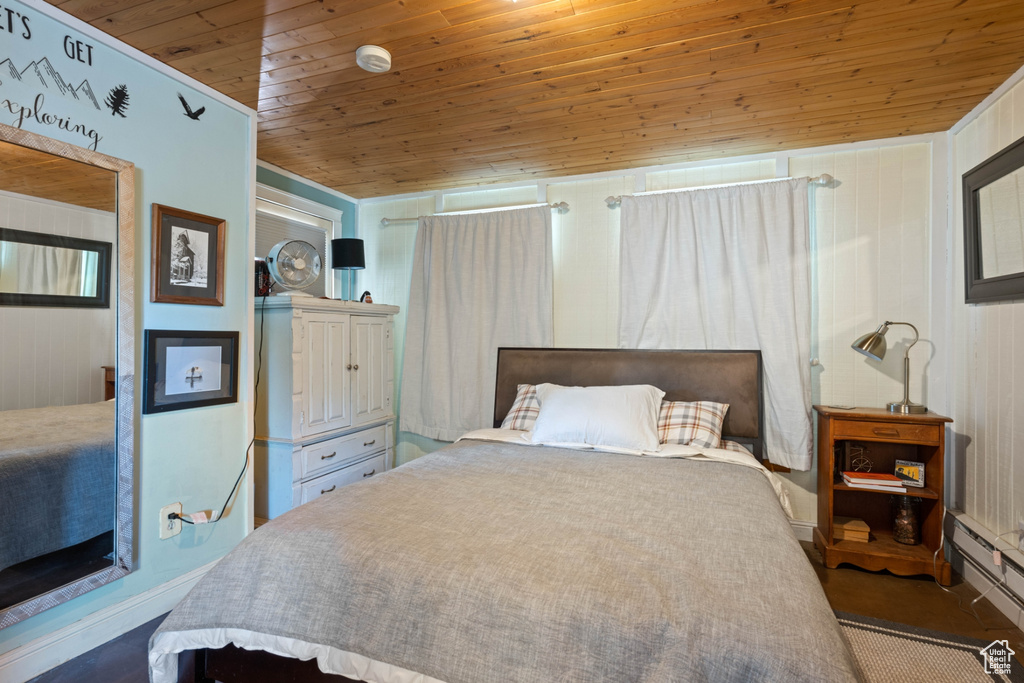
(66, 371)
(994, 227)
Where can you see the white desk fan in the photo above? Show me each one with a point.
(294, 265)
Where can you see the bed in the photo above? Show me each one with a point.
(500, 560)
(57, 478)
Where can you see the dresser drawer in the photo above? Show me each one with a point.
(887, 431)
(347, 475)
(327, 455)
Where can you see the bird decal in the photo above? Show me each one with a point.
(194, 115)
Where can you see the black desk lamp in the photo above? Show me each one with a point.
(347, 254)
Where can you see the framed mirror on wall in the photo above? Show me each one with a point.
(994, 227)
(67, 235)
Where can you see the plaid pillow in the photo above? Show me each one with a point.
(524, 410)
(697, 424)
(737, 447)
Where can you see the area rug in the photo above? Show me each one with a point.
(888, 652)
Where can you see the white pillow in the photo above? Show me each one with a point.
(618, 417)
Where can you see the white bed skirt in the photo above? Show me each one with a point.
(163, 655)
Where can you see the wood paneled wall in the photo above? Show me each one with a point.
(52, 356)
(870, 237)
(702, 176)
(988, 352)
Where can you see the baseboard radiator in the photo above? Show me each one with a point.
(975, 545)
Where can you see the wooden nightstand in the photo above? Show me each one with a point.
(886, 437)
(109, 382)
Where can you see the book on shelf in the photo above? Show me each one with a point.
(874, 478)
(910, 473)
(876, 487)
(850, 529)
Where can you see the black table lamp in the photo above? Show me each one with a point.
(347, 254)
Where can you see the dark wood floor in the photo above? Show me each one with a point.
(914, 600)
(43, 574)
(917, 601)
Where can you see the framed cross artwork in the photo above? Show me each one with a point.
(189, 369)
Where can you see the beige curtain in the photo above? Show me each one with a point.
(38, 269)
(480, 281)
(727, 268)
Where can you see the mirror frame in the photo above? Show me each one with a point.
(125, 383)
(101, 299)
(979, 289)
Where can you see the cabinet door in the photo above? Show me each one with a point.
(326, 396)
(369, 369)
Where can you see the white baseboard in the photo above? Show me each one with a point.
(803, 529)
(982, 582)
(53, 649)
(973, 559)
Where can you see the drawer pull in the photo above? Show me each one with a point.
(328, 457)
(369, 443)
(370, 473)
(348, 367)
(323, 491)
(355, 367)
(882, 431)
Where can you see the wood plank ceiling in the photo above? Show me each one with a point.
(492, 91)
(38, 174)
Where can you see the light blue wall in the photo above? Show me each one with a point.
(313, 194)
(204, 166)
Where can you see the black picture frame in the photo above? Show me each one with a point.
(103, 252)
(196, 278)
(978, 288)
(213, 356)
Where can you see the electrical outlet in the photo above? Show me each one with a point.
(169, 527)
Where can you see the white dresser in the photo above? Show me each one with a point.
(326, 398)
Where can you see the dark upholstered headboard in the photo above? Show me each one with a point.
(732, 377)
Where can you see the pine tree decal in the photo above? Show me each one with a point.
(117, 100)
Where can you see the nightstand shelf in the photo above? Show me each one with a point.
(914, 493)
(882, 437)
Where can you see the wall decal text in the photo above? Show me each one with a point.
(14, 22)
(78, 50)
(34, 112)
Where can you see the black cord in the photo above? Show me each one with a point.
(255, 408)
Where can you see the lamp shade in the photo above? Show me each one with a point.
(347, 254)
(872, 344)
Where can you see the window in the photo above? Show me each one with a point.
(281, 216)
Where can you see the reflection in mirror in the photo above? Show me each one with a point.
(993, 197)
(1001, 217)
(53, 270)
(65, 502)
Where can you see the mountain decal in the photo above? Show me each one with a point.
(42, 73)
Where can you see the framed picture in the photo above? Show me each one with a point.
(189, 369)
(188, 258)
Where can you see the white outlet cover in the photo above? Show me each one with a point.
(171, 527)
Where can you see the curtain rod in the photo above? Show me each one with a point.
(824, 180)
(560, 207)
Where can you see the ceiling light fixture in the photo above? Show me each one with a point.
(373, 58)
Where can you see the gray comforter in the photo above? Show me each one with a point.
(57, 478)
(497, 562)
